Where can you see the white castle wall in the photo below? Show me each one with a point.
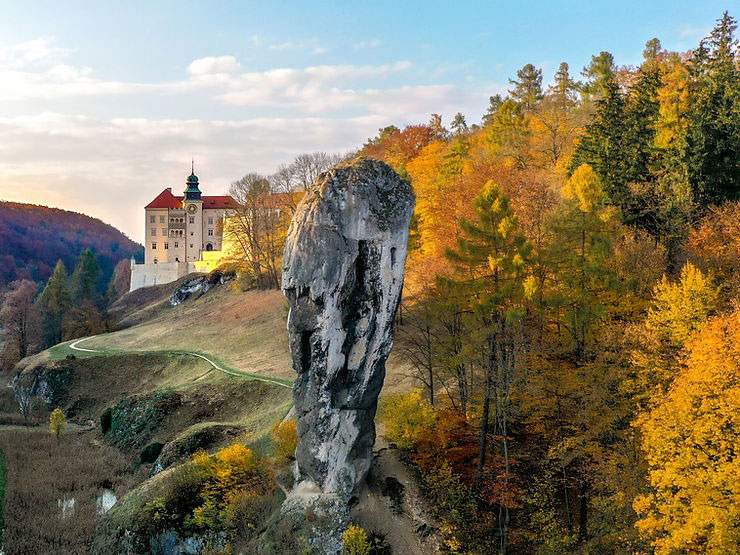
(146, 275)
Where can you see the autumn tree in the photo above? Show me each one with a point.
(491, 259)
(690, 440)
(57, 423)
(678, 309)
(19, 320)
(120, 281)
(258, 228)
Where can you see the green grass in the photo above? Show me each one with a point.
(63, 350)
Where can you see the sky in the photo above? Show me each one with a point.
(103, 104)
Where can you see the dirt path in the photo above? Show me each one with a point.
(75, 347)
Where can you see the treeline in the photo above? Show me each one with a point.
(571, 309)
(67, 307)
(33, 238)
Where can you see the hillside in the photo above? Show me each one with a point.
(143, 399)
(33, 238)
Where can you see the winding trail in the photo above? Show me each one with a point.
(75, 347)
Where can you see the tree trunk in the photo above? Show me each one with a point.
(484, 423)
(583, 512)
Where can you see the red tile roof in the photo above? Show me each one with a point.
(223, 201)
(166, 199)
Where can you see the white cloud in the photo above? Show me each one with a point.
(28, 53)
(214, 65)
(111, 162)
(112, 168)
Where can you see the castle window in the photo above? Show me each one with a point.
(164, 232)
(154, 246)
(154, 232)
(210, 221)
(161, 219)
(191, 245)
(210, 233)
(152, 219)
(166, 246)
(192, 219)
(177, 245)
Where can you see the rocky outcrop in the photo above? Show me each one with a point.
(342, 274)
(198, 286)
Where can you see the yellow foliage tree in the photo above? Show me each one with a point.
(677, 310)
(406, 417)
(286, 439)
(673, 99)
(584, 187)
(57, 423)
(691, 444)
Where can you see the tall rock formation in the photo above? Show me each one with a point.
(343, 273)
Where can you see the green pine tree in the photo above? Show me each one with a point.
(527, 89)
(54, 302)
(713, 136)
(602, 146)
(85, 278)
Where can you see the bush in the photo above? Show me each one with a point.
(354, 541)
(230, 473)
(286, 439)
(407, 417)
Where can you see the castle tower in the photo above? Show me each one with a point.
(193, 205)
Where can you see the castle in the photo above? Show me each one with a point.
(184, 234)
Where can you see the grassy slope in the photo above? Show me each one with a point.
(243, 331)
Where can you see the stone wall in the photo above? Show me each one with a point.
(146, 275)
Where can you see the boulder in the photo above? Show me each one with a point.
(343, 272)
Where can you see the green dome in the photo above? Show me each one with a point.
(192, 191)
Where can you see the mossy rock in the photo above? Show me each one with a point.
(202, 437)
(134, 419)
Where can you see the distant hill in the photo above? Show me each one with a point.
(33, 238)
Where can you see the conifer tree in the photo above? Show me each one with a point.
(713, 136)
(602, 146)
(85, 278)
(459, 126)
(599, 74)
(527, 89)
(564, 88)
(494, 103)
(53, 303)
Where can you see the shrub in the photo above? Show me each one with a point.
(232, 472)
(354, 541)
(407, 418)
(286, 439)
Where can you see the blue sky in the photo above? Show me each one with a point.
(104, 103)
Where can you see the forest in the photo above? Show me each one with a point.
(571, 308)
(33, 238)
